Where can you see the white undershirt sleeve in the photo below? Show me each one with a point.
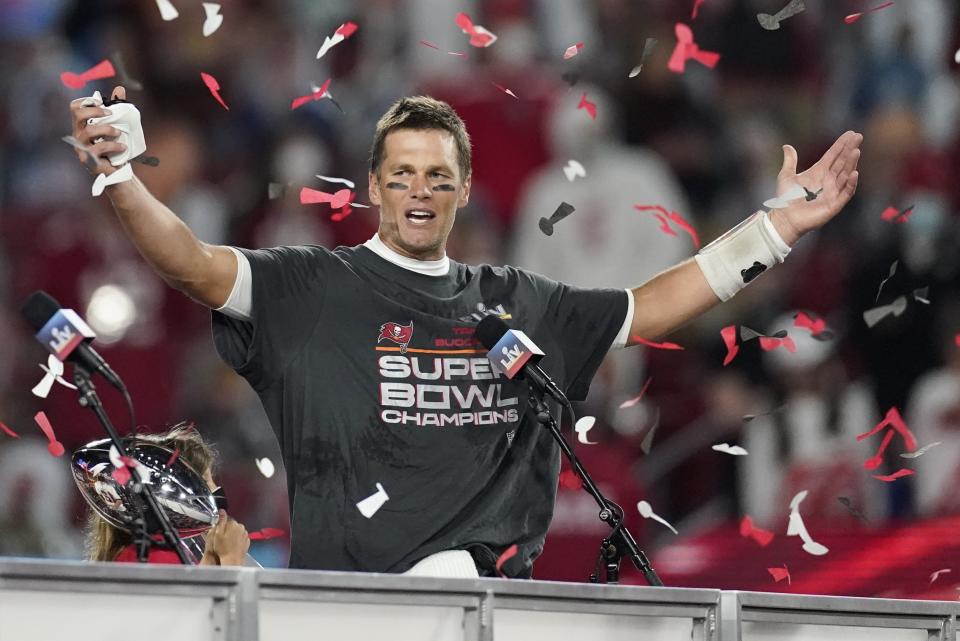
(240, 303)
(621, 340)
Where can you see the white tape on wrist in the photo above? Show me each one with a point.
(737, 257)
(126, 119)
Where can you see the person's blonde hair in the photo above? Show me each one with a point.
(104, 541)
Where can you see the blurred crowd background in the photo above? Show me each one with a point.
(705, 143)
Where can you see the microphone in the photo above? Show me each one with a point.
(513, 354)
(65, 335)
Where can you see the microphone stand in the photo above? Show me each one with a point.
(619, 542)
(89, 398)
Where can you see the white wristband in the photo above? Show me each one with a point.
(737, 257)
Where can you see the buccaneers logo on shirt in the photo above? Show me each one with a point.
(399, 334)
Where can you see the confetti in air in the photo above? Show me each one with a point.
(817, 327)
(726, 448)
(214, 88)
(936, 575)
(895, 422)
(584, 425)
(53, 373)
(696, 9)
(336, 200)
(646, 511)
(772, 23)
(102, 181)
(505, 90)
(760, 536)
(923, 450)
(342, 181)
(647, 48)
(574, 170)
(874, 315)
(779, 202)
(54, 446)
(896, 216)
(479, 37)
(265, 465)
(369, 506)
(587, 106)
(687, 49)
(122, 76)
(167, 11)
(647, 443)
(572, 50)
(853, 17)
(779, 574)
(318, 93)
(343, 32)
(6, 430)
(666, 218)
(213, 20)
(636, 399)
(562, 211)
(266, 534)
(101, 70)
(890, 478)
(796, 527)
(890, 273)
(570, 480)
(664, 345)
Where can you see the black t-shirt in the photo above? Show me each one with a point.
(370, 374)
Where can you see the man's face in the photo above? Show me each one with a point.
(418, 189)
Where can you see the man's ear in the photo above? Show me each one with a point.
(373, 188)
(465, 193)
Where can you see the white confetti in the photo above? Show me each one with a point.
(796, 527)
(167, 11)
(573, 170)
(735, 450)
(923, 450)
(53, 373)
(369, 506)
(956, 57)
(123, 174)
(876, 314)
(794, 193)
(265, 465)
(343, 181)
(936, 575)
(582, 427)
(331, 41)
(647, 512)
(214, 18)
(572, 50)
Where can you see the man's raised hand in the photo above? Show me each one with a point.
(833, 179)
(86, 134)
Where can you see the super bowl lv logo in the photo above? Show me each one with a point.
(397, 333)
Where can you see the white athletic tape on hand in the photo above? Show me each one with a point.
(124, 117)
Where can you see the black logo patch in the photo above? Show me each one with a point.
(755, 270)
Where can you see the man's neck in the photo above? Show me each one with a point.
(439, 267)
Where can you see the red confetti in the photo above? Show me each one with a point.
(779, 574)
(853, 17)
(8, 431)
(729, 335)
(319, 94)
(214, 88)
(505, 90)
(769, 343)
(686, 49)
(677, 219)
(816, 327)
(55, 447)
(696, 9)
(508, 554)
(267, 533)
(430, 44)
(636, 399)
(121, 475)
(896, 475)
(103, 69)
(479, 37)
(346, 30)
(336, 200)
(759, 535)
(682, 223)
(343, 213)
(898, 216)
(588, 106)
(572, 50)
(570, 481)
(895, 421)
(656, 345)
(173, 457)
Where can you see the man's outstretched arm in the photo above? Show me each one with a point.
(683, 292)
(204, 272)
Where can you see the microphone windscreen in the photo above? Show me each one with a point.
(490, 330)
(39, 308)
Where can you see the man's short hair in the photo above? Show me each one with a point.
(422, 112)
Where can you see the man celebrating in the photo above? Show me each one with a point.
(403, 447)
